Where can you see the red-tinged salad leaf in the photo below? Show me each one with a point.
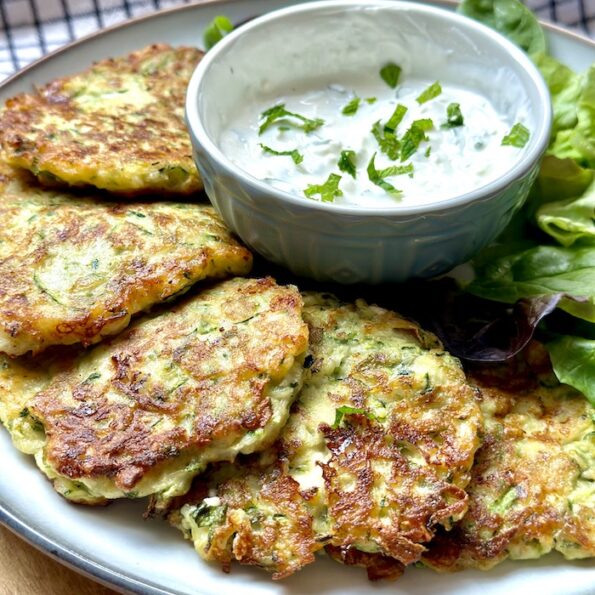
(547, 253)
(500, 338)
(537, 272)
(474, 329)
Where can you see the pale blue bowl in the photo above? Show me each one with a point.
(355, 244)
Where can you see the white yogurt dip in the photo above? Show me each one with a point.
(451, 161)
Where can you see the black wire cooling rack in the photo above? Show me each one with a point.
(31, 28)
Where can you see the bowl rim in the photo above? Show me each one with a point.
(519, 59)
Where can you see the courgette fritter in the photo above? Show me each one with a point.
(376, 454)
(118, 126)
(145, 412)
(22, 378)
(75, 269)
(533, 481)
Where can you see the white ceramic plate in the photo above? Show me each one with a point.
(114, 544)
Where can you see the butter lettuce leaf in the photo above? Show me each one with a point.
(510, 18)
(539, 271)
(565, 88)
(560, 179)
(569, 221)
(578, 143)
(562, 201)
(573, 360)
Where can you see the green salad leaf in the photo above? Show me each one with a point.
(549, 247)
(578, 143)
(509, 17)
(539, 271)
(560, 179)
(569, 221)
(573, 360)
(565, 88)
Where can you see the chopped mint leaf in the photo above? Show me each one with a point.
(328, 191)
(377, 177)
(396, 170)
(347, 410)
(396, 118)
(454, 117)
(414, 136)
(279, 113)
(390, 74)
(430, 93)
(294, 154)
(371, 100)
(347, 162)
(351, 108)
(517, 137)
(216, 30)
(387, 141)
(428, 151)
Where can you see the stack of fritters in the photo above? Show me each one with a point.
(145, 412)
(202, 380)
(375, 455)
(533, 482)
(267, 425)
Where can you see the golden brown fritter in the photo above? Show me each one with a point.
(533, 485)
(144, 413)
(74, 269)
(21, 379)
(376, 453)
(118, 126)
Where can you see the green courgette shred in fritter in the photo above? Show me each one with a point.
(144, 413)
(118, 126)
(533, 482)
(75, 269)
(375, 455)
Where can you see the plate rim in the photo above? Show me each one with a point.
(550, 27)
(101, 573)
